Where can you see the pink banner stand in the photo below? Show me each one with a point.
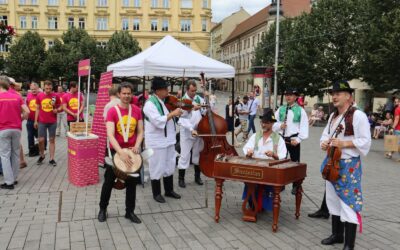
(82, 160)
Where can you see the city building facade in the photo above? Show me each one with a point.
(147, 20)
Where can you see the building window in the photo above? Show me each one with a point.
(52, 2)
(205, 3)
(102, 3)
(81, 23)
(166, 4)
(82, 2)
(3, 19)
(154, 23)
(186, 25)
(70, 22)
(34, 2)
(50, 43)
(186, 44)
(136, 3)
(154, 3)
(71, 2)
(152, 43)
(34, 20)
(101, 44)
(125, 23)
(22, 2)
(136, 24)
(125, 3)
(165, 25)
(22, 22)
(186, 4)
(3, 1)
(52, 23)
(203, 24)
(102, 23)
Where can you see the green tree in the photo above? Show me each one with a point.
(379, 62)
(26, 57)
(55, 64)
(121, 46)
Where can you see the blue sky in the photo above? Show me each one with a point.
(223, 8)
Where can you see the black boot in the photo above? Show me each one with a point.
(169, 187)
(102, 217)
(197, 177)
(156, 188)
(182, 183)
(323, 212)
(350, 235)
(337, 232)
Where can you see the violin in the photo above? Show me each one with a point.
(172, 103)
(331, 168)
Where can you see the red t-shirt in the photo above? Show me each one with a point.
(31, 103)
(72, 104)
(47, 103)
(397, 113)
(10, 111)
(136, 116)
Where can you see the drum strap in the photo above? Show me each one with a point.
(125, 131)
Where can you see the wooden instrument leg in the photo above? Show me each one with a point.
(298, 198)
(250, 214)
(218, 197)
(276, 205)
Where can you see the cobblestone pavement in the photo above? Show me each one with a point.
(45, 211)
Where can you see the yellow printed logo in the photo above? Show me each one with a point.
(46, 105)
(125, 121)
(32, 105)
(73, 103)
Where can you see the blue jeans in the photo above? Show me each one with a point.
(251, 124)
(32, 133)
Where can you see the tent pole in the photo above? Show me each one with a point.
(233, 110)
(143, 91)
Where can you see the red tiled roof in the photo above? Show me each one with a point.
(291, 8)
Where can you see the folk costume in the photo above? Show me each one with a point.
(160, 136)
(344, 196)
(274, 143)
(188, 122)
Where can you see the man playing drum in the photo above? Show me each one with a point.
(124, 130)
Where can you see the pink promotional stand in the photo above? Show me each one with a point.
(82, 145)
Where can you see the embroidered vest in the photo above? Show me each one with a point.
(296, 109)
(275, 140)
(348, 121)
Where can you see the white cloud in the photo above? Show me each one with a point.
(224, 8)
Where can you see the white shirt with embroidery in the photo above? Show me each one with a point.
(292, 128)
(361, 138)
(264, 146)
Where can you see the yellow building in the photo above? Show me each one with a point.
(147, 20)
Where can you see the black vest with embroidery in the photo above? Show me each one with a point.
(348, 121)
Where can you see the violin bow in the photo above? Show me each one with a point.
(183, 86)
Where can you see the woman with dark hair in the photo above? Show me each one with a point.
(229, 115)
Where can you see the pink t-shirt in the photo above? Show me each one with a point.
(136, 116)
(31, 103)
(10, 111)
(72, 104)
(397, 113)
(47, 103)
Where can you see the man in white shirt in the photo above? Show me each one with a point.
(344, 196)
(253, 107)
(189, 140)
(160, 136)
(243, 111)
(292, 124)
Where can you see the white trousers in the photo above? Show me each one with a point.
(162, 162)
(187, 144)
(337, 207)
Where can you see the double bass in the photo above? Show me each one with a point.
(211, 126)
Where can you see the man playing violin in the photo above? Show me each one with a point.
(189, 140)
(124, 130)
(160, 136)
(344, 196)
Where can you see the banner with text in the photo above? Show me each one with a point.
(83, 67)
(99, 127)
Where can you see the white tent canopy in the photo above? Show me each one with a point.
(169, 57)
